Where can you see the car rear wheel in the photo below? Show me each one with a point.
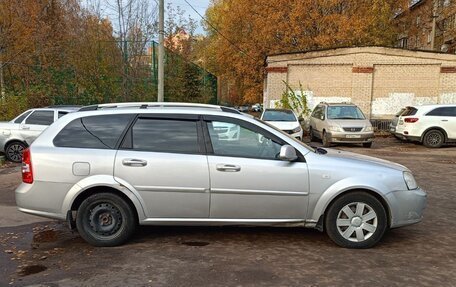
(356, 220)
(13, 151)
(105, 219)
(434, 139)
(325, 140)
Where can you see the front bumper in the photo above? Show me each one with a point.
(407, 206)
(346, 137)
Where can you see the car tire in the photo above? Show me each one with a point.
(433, 139)
(13, 151)
(105, 219)
(356, 220)
(324, 139)
(367, 145)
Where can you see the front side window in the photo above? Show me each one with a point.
(231, 139)
(44, 118)
(279, 116)
(345, 113)
(317, 112)
(98, 132)
(21, 118)
(165, 135)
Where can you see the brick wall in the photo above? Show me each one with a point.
(379, 80)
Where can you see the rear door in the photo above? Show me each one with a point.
(248, 181)
(444, 117)
(163, 158)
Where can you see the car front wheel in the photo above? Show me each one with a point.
(356, 220)
(105, 219)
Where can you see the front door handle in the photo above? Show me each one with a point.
(134, 162)
(228, 167)
(444, 120)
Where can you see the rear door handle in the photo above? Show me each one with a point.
(25, 127)
(228, 167)
(134, 162)
(444, 120)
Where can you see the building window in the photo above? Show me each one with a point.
(403, 42)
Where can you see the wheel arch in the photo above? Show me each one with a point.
(102, 184)
(445, 134)
(376, 194)
(13, 140)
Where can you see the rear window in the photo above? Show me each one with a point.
(279, 116)
(409, 111)
(99, 132)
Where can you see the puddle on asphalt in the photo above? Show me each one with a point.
(195, 243)
(31, 269)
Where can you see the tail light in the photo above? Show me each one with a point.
(27, 172)
(411, 120)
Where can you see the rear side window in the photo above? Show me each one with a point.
(443, 112)
(409, 111)
(44, 118)
(21, 118)
(165, 135)
(99, 132)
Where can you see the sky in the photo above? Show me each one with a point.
(199, 5)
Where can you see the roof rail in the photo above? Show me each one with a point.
(145, 105)
(63, 106)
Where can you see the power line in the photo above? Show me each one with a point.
(215, 29)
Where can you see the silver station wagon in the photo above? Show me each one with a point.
(114, 166)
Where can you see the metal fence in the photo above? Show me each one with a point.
(380, 125)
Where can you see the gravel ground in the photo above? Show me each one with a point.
(46, 253)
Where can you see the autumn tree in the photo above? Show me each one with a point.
(241, 33)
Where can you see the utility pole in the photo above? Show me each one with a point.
(161, 50)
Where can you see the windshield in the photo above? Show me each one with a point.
(279, 116)
(345, 113)
(284, 133)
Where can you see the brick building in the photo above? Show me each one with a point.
(428, 25)
(379, 80)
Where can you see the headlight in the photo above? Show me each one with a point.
(369, 129)
(410, 180)
(335, 129)
(297, 130)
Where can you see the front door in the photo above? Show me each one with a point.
(163, 159)
(248, 181)
(35, 124)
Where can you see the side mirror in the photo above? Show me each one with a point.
(322, 117)
(287, 153)
(300, 119)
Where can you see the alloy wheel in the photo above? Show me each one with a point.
(14, 152)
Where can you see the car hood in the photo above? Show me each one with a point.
(350, 123)
(354, 157)
(5, 125)
(284, 125)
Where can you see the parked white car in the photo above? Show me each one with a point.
(285, 120)
(19, 133)
(432, 125)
